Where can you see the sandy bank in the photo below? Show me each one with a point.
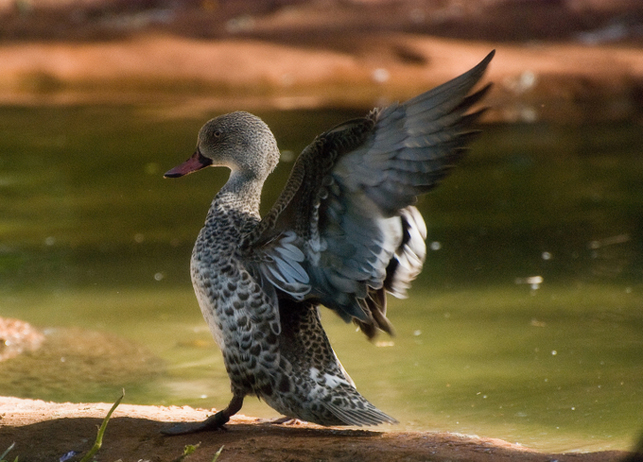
(562, 82)
(45, 431)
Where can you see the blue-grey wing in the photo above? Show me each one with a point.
(344, 231)
(414, 144)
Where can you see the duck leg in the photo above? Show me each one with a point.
(213, 422)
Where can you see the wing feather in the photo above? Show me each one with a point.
(344, 232)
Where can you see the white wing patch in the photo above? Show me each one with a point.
(333, 381)
(323, 382)
(411, 255)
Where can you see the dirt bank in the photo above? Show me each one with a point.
(561, 82)
(562, 61)
(45, 431)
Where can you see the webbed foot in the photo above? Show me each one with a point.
(214, 422)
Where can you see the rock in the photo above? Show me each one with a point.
(16, 337)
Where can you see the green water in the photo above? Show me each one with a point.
(94, 240)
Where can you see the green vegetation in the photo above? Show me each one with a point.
(4, 454)
(191, 448)
(101, 431)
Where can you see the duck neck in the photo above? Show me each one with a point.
(241, 195)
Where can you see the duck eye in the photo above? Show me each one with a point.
(217, 134)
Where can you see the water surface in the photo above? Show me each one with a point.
(526, 323)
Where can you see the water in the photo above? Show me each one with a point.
(526, 323)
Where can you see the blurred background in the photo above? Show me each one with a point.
(527, 322)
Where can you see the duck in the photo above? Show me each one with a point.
(343, 234)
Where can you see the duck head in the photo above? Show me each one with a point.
(239, 140)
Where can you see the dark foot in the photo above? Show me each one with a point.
(214, 422)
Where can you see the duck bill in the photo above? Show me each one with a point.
(194, 163)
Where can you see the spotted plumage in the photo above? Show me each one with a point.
(343, 233)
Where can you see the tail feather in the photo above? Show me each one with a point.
(316, 386)
(359, 412)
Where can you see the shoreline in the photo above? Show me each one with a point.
(567, 83)
(45, 431)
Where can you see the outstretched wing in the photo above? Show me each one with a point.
(344, 231)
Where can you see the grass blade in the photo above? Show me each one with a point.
(101, 431)
(7, 451)
(216, 456)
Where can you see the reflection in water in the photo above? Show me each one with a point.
(525, 324)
